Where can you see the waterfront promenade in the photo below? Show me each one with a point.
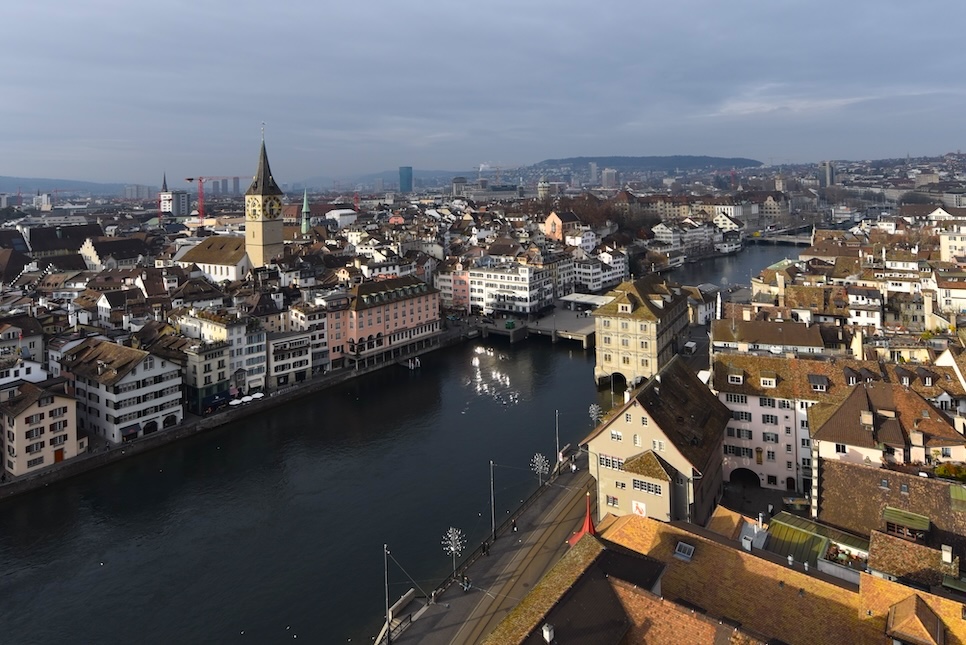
(516, 561)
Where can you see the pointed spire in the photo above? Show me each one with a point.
(587, 528)
(164, 183)
(306, 211)
(263, 183)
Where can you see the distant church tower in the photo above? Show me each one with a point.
(264, 239)
(306, 213)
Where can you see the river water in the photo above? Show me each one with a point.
(273, 527)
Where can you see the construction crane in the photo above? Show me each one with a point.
(201, 192)
(53, 194)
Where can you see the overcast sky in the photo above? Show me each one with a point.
(122, 90)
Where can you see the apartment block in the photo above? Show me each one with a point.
(122, 392)
(39, 426)
(640, 329)
(659, 454)
(510, 288)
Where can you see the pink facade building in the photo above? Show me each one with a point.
(390, 320)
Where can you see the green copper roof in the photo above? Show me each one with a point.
(909, 520)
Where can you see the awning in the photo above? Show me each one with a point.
(957, 497)
(129, 430)
(954, 583)
(905, 518)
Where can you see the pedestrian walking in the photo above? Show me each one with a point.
(513, 525)
(486, 549)
(573, 467)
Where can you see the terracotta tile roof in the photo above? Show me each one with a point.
(944, 379)
(910, 561)
(765, 596)
(61, 238)
(371, 294)
(639, 294)
(764, 332)
(12, 264)
(912, 621)
(30, 393)
(686, 411)
(119, 248)
(529, 614)
(195, 289)
(657, 621)
(649, 464)
(852, 497)
(217, 249)
(896, 412)
(793, 374)
(726, 523)
(102, 361)
(729, 583)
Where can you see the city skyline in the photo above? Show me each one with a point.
(124, 92)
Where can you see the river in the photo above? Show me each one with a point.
(273, 527)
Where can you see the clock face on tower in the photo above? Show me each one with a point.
(273, 208)
(251, 209)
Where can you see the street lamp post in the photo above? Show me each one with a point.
(385, 564)
(492, 506)
(556, 432)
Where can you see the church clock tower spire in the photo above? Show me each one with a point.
(264, 240)
(306, 212)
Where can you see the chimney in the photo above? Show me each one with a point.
(915, 437)
(858, 341)
(547, 633)
(927, 309)
(780, 277)
(947, 554)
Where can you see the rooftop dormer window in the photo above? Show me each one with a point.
(684, 551)
(818, 382)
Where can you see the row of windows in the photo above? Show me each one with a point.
(626, 360)
(624, 325)
(606, 461)
(738, 451)
(763, 401)
(647, 487)
(742, 415)
(625, 342)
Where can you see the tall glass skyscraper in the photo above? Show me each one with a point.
(405, 179)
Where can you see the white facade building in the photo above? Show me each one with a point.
(122, 392)
(175, 203)
(510, 288)
(247, 355)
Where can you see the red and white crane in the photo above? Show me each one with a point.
(201, 192)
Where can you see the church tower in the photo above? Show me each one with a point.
(264, 240)
(306, 213)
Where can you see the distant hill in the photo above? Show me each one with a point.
(661, 164)
(31, 185)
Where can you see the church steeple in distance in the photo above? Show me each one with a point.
(164, 182)
(263, 183)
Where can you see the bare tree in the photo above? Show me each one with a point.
(541, 466)
(453, 544)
